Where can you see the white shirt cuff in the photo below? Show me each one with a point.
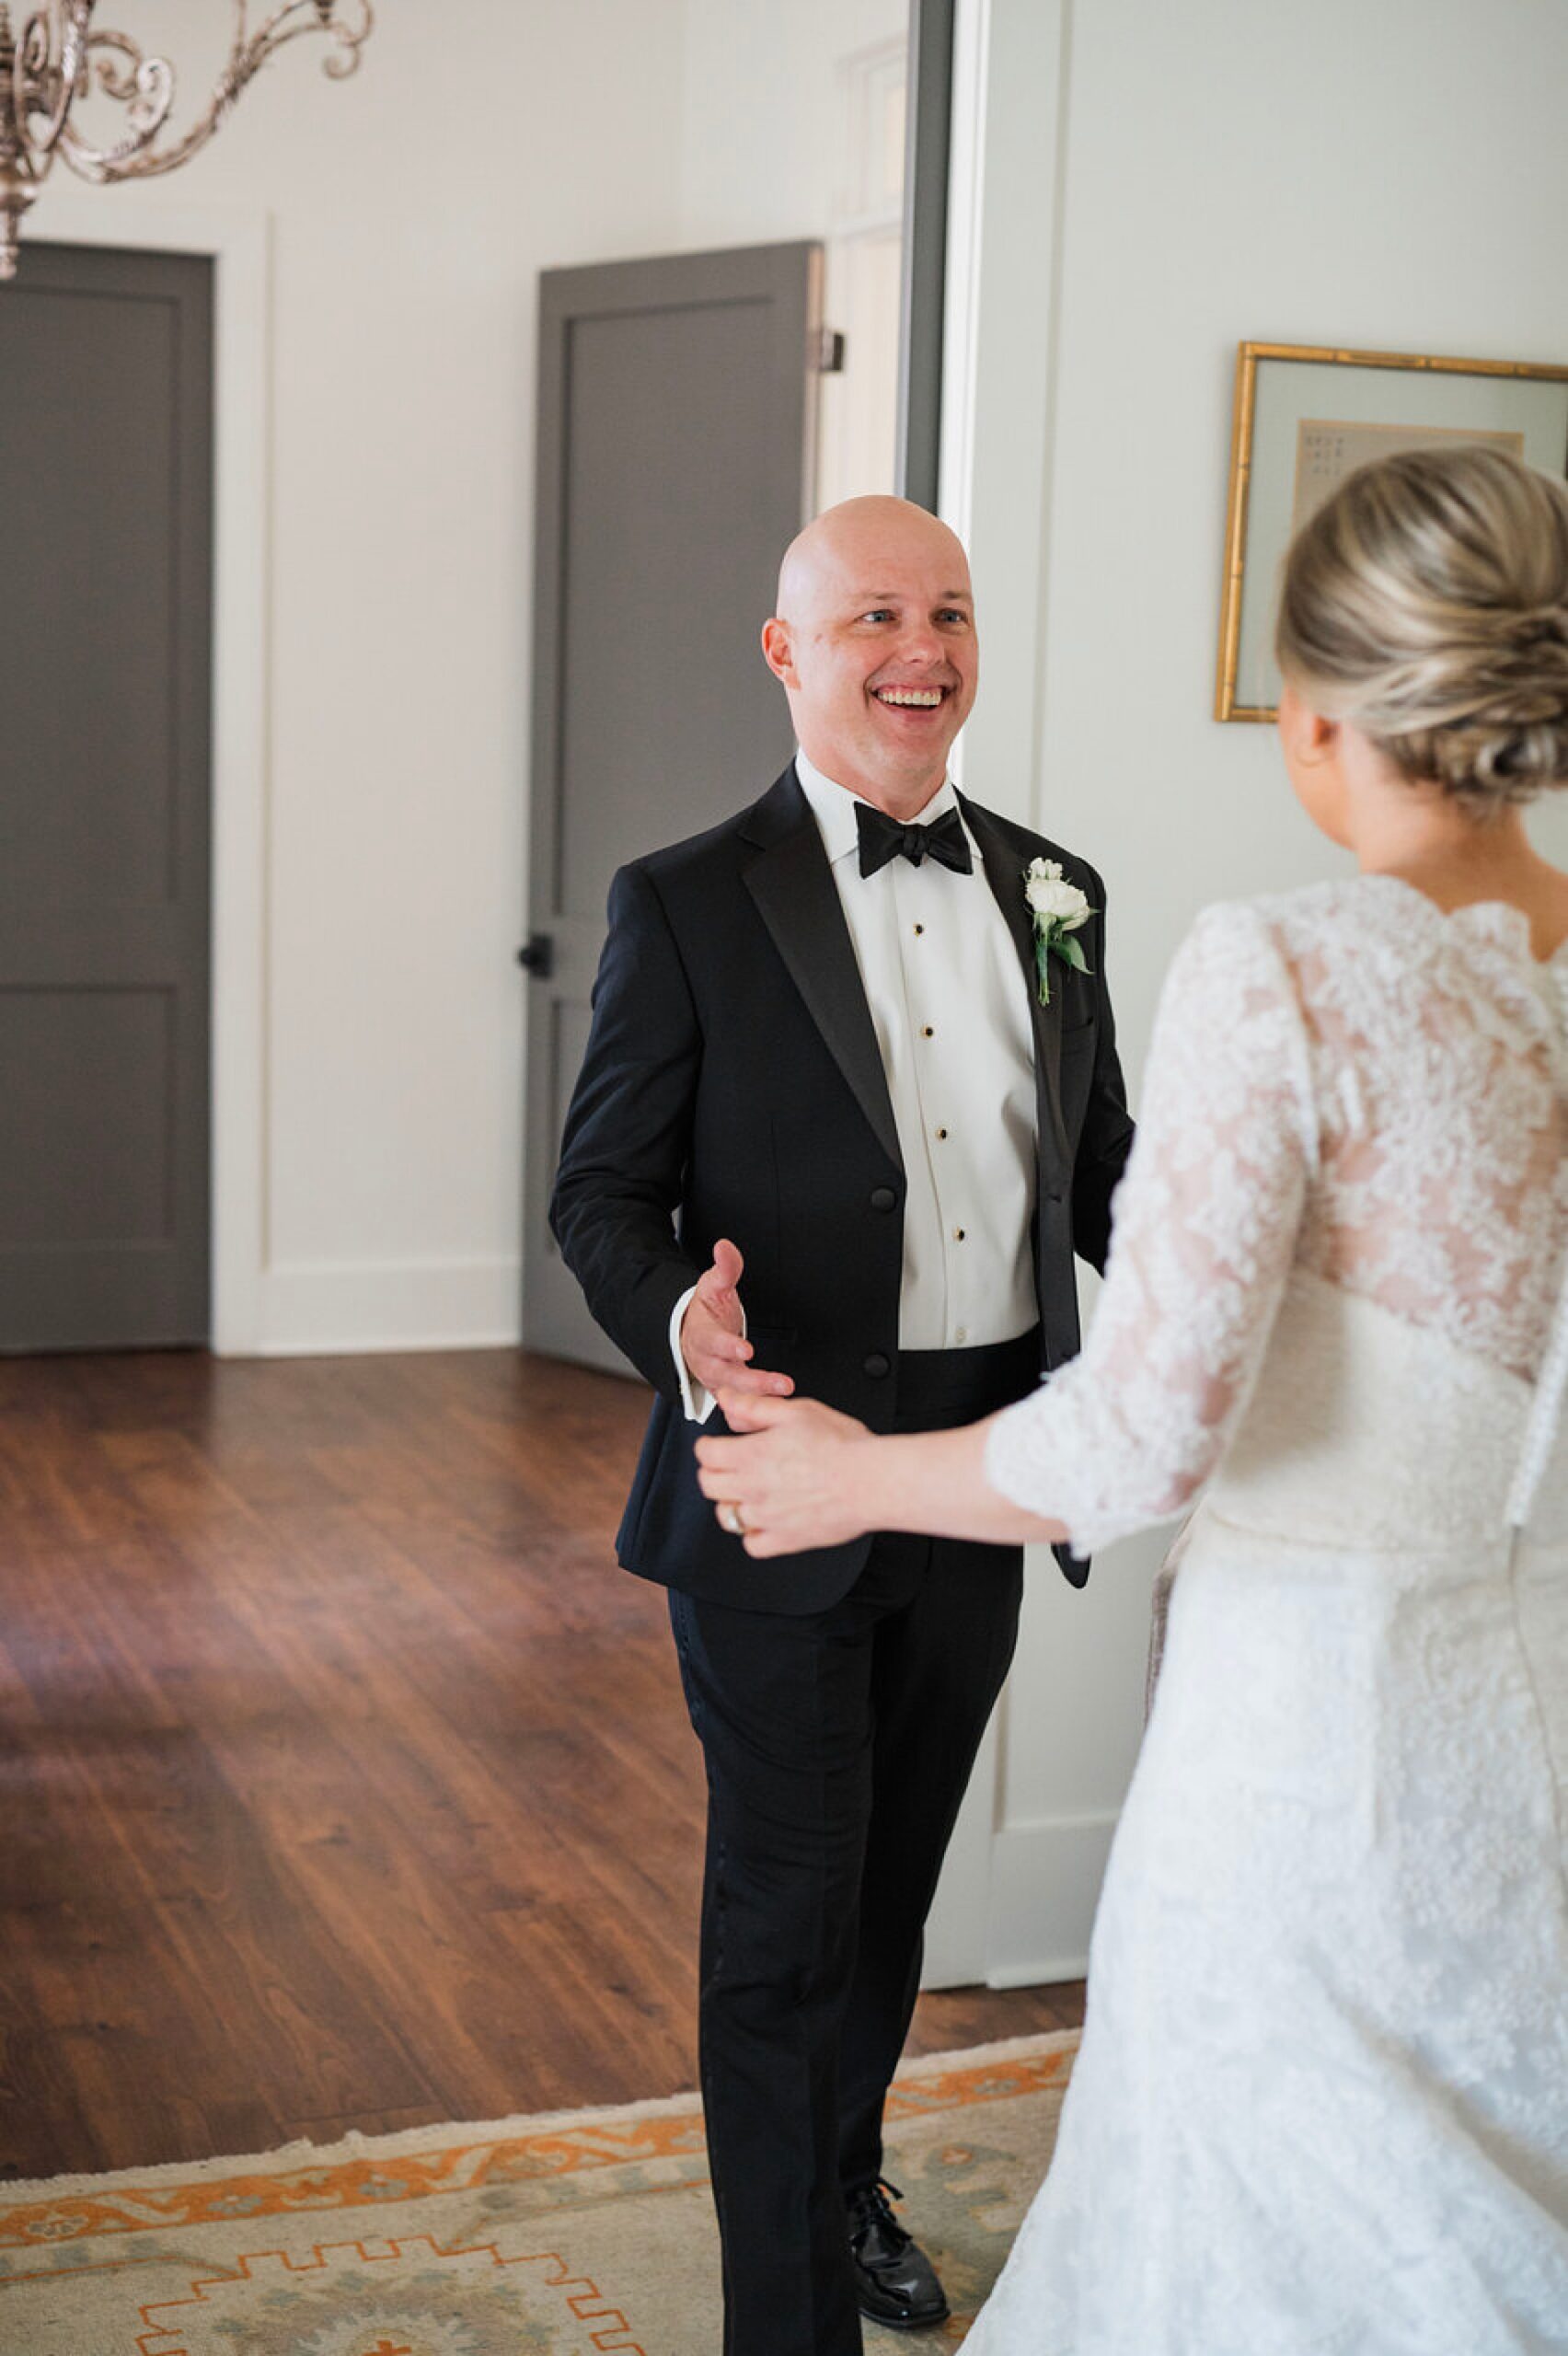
(695, 1398)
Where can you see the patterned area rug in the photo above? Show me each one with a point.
(556, 2237)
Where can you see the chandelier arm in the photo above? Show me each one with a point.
(299, 21)
(348, 36)
(114, 84)
(267, 33)
(43, 89)
(132, 157)
(129, 158)
(347, 45)
(39, 88)
(144, 85)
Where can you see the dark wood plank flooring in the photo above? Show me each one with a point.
(346, 1781)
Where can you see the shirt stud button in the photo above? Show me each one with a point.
(958, 1235)
(926, 1031)
(920, 929)
(942, 1133)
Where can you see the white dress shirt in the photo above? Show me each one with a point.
(948, 1003)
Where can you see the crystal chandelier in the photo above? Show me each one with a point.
(56, 58)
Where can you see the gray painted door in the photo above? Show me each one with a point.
(677, 401)
(105, 606)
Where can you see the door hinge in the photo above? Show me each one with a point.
(536, 956)
(830, 353)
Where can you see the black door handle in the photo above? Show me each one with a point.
(536, 956)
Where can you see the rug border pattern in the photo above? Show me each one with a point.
(378, 2172)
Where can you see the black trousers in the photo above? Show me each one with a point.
(838, 1745)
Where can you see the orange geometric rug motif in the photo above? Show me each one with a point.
(556, 2237)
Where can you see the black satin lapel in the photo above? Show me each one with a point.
(1003, 873)
(797, 900)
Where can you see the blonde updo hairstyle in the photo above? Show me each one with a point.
(1426, 602)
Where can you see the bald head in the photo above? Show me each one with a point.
(845, 542)
(874, 643)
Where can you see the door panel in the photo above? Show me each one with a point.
(106, 483)
(676, 415)
(97, 1168)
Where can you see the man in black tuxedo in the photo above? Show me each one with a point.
(819, 1081)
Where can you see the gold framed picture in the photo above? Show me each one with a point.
(1304, 417)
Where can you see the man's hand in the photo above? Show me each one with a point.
(712, 1343)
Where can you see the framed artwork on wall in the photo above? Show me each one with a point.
(1307, 416)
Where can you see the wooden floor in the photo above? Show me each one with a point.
(344, 1781)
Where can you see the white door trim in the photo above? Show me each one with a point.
(957, 1946)
(1007, 1912)
(238, 242)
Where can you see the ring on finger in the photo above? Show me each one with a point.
(731, 1518)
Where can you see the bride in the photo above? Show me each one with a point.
(1322, 2103)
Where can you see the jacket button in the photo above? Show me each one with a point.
(879, 1364)
(882, 1198)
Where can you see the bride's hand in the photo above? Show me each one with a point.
(798, 1482)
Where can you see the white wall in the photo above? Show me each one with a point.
(411, 208)
(760, 150)
(1154, 185)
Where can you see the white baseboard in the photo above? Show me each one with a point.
(328, 1309)
(1048, 1971)
(1045, 1882)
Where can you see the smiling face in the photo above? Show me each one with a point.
(874, 643)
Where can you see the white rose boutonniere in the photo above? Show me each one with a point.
(1059, 908)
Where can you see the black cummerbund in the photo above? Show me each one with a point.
(937, 1387)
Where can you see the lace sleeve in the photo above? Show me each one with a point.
(1205, 1231)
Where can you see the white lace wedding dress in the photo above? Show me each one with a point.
(1322, 2103)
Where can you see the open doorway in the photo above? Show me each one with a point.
(708, 401)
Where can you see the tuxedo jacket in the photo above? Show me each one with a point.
(733, 1086)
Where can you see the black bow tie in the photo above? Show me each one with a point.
(883, 839)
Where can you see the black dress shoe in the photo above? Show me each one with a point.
(895, 2281)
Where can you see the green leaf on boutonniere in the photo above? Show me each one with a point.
(1057, 909)
(1048, 939)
